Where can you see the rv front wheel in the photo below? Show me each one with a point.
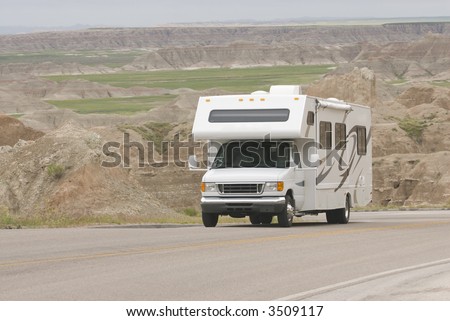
(210, 220)
(260, 219)
(286, 217)
(266, 219)
(255, 219)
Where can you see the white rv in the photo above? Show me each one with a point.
(284, 154)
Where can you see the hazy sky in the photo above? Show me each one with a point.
(154, 12)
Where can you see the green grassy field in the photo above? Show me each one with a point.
(16, 115)
(242, 80)
(396, 82)
(232, 80)
(110, 58)
(125, 106)
(441, 83)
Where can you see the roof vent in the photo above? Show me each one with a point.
(260, 92)
(285, 90)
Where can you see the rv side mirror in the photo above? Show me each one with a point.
(315, 160)
(194, 164)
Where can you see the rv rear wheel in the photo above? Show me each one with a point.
(210, 220)
(341, 215)
(344, 213)
(286, 217)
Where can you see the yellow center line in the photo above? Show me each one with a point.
(150, 250)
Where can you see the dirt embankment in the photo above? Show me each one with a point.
(12, 130)
(359, 87)
(60, 174)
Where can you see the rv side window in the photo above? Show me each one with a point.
(310, 118)
(296, 157)
(340, 134)
(325, 135)
(362, 143)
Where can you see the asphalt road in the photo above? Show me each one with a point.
(377, 256)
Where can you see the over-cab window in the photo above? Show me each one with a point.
(248, 115)
(325, 135)
(340, 135)
(361, 140)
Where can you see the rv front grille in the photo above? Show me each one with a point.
(240, 188)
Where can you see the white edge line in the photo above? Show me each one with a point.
(336, 286)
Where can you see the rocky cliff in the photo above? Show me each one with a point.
(164, 37)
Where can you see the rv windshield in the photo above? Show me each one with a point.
(256, 154)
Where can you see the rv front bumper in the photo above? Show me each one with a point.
(245, 206)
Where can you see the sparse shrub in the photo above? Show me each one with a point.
(414, 162)
(414, 128)
(55, 171)
(93, 141)
(430, 116)
(191, 212)
(7, 221)
(5, 218)
(151, 132)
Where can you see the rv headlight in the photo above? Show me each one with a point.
(274, 187)
(208, 187)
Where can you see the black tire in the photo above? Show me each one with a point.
(286, 217)
(266, 219)
(341, 215)
(210, 220)
(332, 216)
(255, 219)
